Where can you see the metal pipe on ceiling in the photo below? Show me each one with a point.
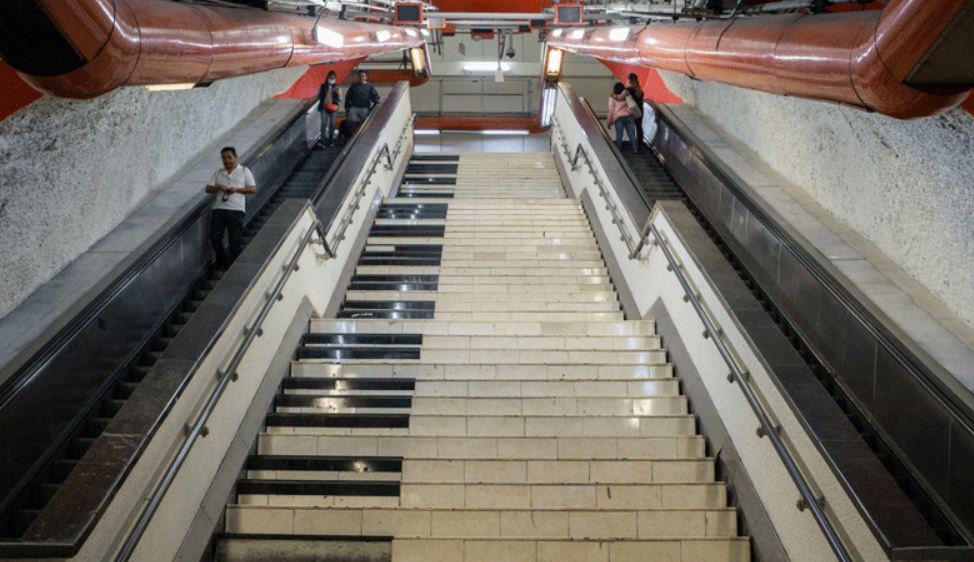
(154, 42)
(861, 59)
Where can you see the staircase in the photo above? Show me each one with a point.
(517, 417)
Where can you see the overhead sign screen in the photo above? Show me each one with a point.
(409, 13)
(568, 14)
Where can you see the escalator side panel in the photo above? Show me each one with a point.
(93, 349)
(901, 396)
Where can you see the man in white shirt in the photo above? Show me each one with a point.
(229, 184)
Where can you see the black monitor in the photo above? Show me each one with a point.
(568, 14)
(409, 13)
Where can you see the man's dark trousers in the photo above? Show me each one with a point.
(232, 222)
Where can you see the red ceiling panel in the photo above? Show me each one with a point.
(14, 92)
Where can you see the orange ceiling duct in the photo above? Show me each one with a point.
(113, 43)
(856, 58)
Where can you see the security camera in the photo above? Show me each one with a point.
(510, 52)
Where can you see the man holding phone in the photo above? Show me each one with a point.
(230, 185)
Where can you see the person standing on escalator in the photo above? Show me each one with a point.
(638, 97)
(329, 96)
(360, 100)
(621, 116)
(230, 185)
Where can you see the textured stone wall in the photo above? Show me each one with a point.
(906, 186)
(70, 171)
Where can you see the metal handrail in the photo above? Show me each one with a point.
(610, 205)
(359, 193)
(198, 428)
(767, 427)
(391, 156)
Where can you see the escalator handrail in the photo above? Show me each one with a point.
(768, 428)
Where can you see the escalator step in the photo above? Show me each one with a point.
(111, 407)
(124, 389)
(61, 468)
(79, 446)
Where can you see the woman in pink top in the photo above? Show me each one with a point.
(620, 116)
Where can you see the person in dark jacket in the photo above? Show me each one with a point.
(329, 96)
(638, 96)
(361, 98)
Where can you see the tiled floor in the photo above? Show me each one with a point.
(543, 425)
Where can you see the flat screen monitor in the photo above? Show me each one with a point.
(409, 13)
(568, 14)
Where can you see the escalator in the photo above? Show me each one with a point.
(23, 510)
(650, 170)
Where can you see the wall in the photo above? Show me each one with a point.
(906, 186)
(454, 91)
(70, 170)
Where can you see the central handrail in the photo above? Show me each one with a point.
(225, 376)
(767, 427)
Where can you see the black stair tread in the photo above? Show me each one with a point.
(390, 305)
(379, 488)
(342, 401)
(437, 169)
(359, 353)
(359, 338)
(397, 278)
(393, 286)
(419, 206)
(423, 180)
(362, 346)
(324, 463)
(388, 314)
(434, 157)
(417, 262)
(352, 383)
(308, 419)
(408, 230)
(430, 194)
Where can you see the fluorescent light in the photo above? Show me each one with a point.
(505, 132)
(329, 38)
(426, 132)
(170, 87)
(557, 32)
(486, 66)
(382, 35)
(576, 34)
(425, 32)
(619, 34)
(417, 55)
(411, 32)
(553, 66)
